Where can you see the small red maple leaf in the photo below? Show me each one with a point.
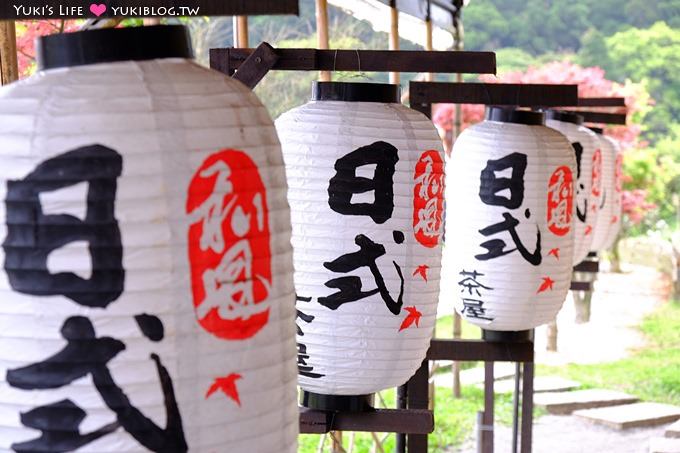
(588, 230)
(555, 252)
(422, 270)
(413, 316)
(546, 285)
(227, 385)
(614, 219)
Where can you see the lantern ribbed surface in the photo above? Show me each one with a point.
(617, 192)
(588, 188)
(363, 176)
(509, 229)
(157, 191)
(608, 194)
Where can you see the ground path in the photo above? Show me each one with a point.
(619, 304)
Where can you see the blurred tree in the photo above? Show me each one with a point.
(594, 50)
(651, 55)
(513, 59)
(28, 31)
(539, 26)
(485, 27)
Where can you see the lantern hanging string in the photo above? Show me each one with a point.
(359, 74)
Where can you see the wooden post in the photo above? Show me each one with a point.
(457, 127)
(429, 77)
(551, 333)
(240, 24)
(394, 35)
(455, 366)
(8, 52)
(322, 33)
(336, 446)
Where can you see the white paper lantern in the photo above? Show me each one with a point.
(148, 299)
(608, 192)
(509, 228)
(617, 192)
(365, 177)
(588, 190)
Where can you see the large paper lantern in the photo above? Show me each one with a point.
(617, 192)
(148, 300)
(608, 194)
(365, 177)
(588, 187)
(509, 229)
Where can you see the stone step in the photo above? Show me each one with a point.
(632, 415)
(673, 430)
(562, 403)
(542, 384)
(664, 445)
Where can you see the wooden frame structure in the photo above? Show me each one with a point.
(412, 420)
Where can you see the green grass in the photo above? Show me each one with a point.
(651, 374)
(444, 328)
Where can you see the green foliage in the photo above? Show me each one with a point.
(513, 59)
(593, 50)
(539, 26)
(485, 27)
(657, 170)
(651, 55)
(652, 374)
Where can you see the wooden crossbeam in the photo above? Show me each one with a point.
(228, 60)
(602, 102)
(529, 95)
(409, 421)
(479, 350)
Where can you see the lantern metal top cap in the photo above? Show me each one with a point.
(106, 45)
(565, 117)
(356, 92)
(506, 115)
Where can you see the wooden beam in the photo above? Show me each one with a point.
(526, 95)
(602, 102)
(9, 67)
(409, 421)
(588, 266)
(364, 60)
(479, 350)
(581, 286)
(322, 33)
(240, 29)
(601, 117)
(394, 36)
(257, 65)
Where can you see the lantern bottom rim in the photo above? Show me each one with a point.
(337, 403)
(507, 336)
